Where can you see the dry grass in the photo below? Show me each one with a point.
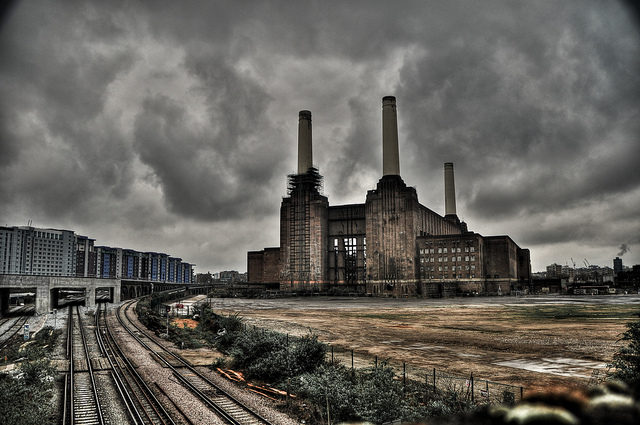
(571, 338)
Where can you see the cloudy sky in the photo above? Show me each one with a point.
(171, 126)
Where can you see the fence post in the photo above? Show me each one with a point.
(472, 387)
(521, 393)
(404, 376)
(376, 362)
(352, 370)
(434, 379)
(332, 355)
(486, 387)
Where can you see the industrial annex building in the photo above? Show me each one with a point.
(389, 246)
(26, 250)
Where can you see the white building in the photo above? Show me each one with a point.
(33, 251)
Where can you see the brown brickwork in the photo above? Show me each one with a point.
(394, 218)
(255, 261)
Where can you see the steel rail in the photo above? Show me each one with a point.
(18, 324)
(218, 409)
(151, 400)
(125, 395)
(94, 387)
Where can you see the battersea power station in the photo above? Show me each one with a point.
(389, 246)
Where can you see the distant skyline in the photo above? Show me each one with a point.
(171, 127)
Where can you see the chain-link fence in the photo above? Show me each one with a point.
(476, 389)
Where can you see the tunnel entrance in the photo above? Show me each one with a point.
(104, 295)
(17, 301)
(63, 297)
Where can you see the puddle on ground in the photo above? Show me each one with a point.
(555, 366)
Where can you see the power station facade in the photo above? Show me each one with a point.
(389, 246)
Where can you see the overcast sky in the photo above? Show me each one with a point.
(171, 126)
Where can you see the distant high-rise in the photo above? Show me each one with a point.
(33, 251)
(52, 252)
(617, 265)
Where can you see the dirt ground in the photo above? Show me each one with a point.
(534, 342)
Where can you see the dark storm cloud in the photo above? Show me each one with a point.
(536, 117)
(178, 119)
(56, 149)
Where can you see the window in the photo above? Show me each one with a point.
(466, 258)
(458, 250)
(440, 268)
(439, 259)
(466, 249)
(459, 258)
(446, 268)
(440, 251)
(473, 258)
(473, 267)
(472, 249)
(444, 250)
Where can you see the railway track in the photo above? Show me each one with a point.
(229, 408)
(81, 401)
(16, 327)
(142, 405)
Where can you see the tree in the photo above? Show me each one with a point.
(626, 362)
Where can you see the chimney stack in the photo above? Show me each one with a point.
(305, 156)
(390, 157)
(449, 190)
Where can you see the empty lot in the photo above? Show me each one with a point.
(530, 341)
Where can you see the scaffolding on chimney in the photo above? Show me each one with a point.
(302, 189)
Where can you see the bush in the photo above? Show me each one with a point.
(380, 397)
(333, 385)
(626, 362)
(25, 397)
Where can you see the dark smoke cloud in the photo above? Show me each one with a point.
(172, 126)
(623, 249)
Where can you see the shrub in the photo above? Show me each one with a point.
(380, 397)
(25, 397)
(626, 362)
(331, 385)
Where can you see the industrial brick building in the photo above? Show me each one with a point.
(389, 246)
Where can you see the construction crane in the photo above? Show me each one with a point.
(586, 263)
(574, 263)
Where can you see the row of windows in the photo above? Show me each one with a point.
(446, 259)
(453, 276)
(46, 235)
(446, 268)
(445, 250)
